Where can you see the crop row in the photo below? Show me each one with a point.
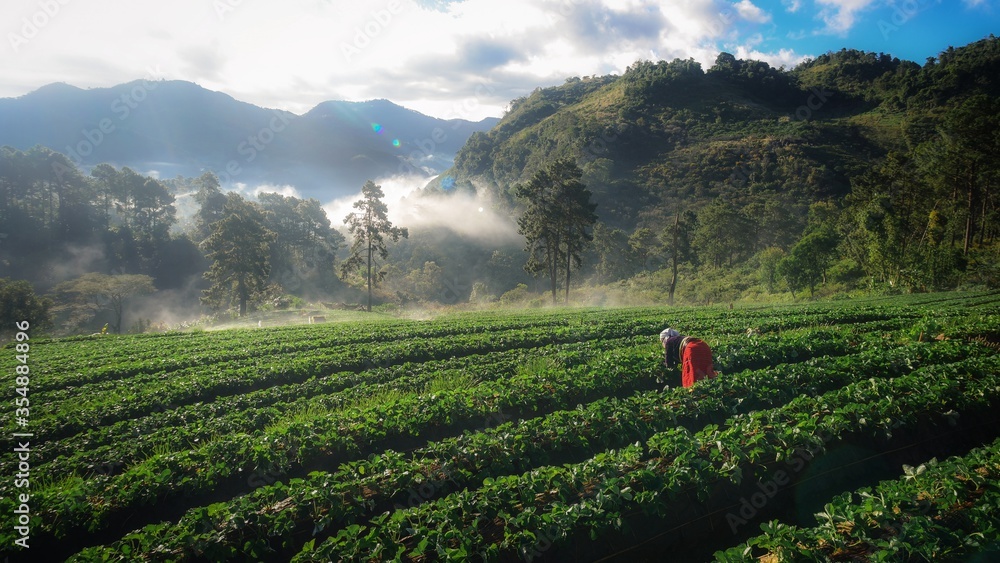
(324, 502)
(68, 363)
(67, 411)
(204, 421)
(76, 363)
(507, 515)
(185, 427)
(938, 510)
(355, 431)
(304, 439)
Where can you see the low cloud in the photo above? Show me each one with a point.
(467, 215)
(787, 58)
(75, 261)
(253, 192)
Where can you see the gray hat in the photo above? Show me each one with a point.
(667, 333)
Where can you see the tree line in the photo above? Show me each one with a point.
(94, 241)
(685, 200)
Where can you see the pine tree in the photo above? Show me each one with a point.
(369, 226)
(239, 249)
(211, 202)
(556, 221)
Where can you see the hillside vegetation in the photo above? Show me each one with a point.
(512, 436)
(874, 136)
(850, 174)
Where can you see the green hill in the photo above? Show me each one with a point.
(671, 135)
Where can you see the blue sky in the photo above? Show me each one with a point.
(912, 30)
(448, 58)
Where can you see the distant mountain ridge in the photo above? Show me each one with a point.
(177, 127)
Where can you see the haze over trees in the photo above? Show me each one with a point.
(853, 172)
(240, 250)
(368, 227)
(86, 297)
(558, 213)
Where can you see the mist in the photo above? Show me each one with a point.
(74, 261)
(254, 192)
(166, 309)
(473, 217)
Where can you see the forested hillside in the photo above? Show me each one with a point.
(853, 172)
(897, 162)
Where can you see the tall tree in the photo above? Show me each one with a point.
(140, 203)
(808, 261)
(91, 293)
(886, 219)
(612, 258)
(642, 244)
(722, 234)
(575, 212)
(962, 162)
(19, 303)
(140, 211)
(211, 202)
(538, 226)
(239, 248)
(369, 226)
(305, 246)
(45, 208)
(556, 221)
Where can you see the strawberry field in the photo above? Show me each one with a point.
(858, 429)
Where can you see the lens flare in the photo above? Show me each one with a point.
(377, 128)
(395, 142)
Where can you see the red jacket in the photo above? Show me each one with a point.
(693, 355)
(696, 362)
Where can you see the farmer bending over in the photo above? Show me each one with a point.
(693, 354)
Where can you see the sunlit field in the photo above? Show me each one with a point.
(543, 435)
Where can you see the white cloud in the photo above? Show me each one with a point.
(787, 58)
(752, 13)
(792, 6)
(254, 191)
(467, 58)
(464, 59)
(468, 215)
(839, 16)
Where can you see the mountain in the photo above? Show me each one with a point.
(671, 136)
(177, 127)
